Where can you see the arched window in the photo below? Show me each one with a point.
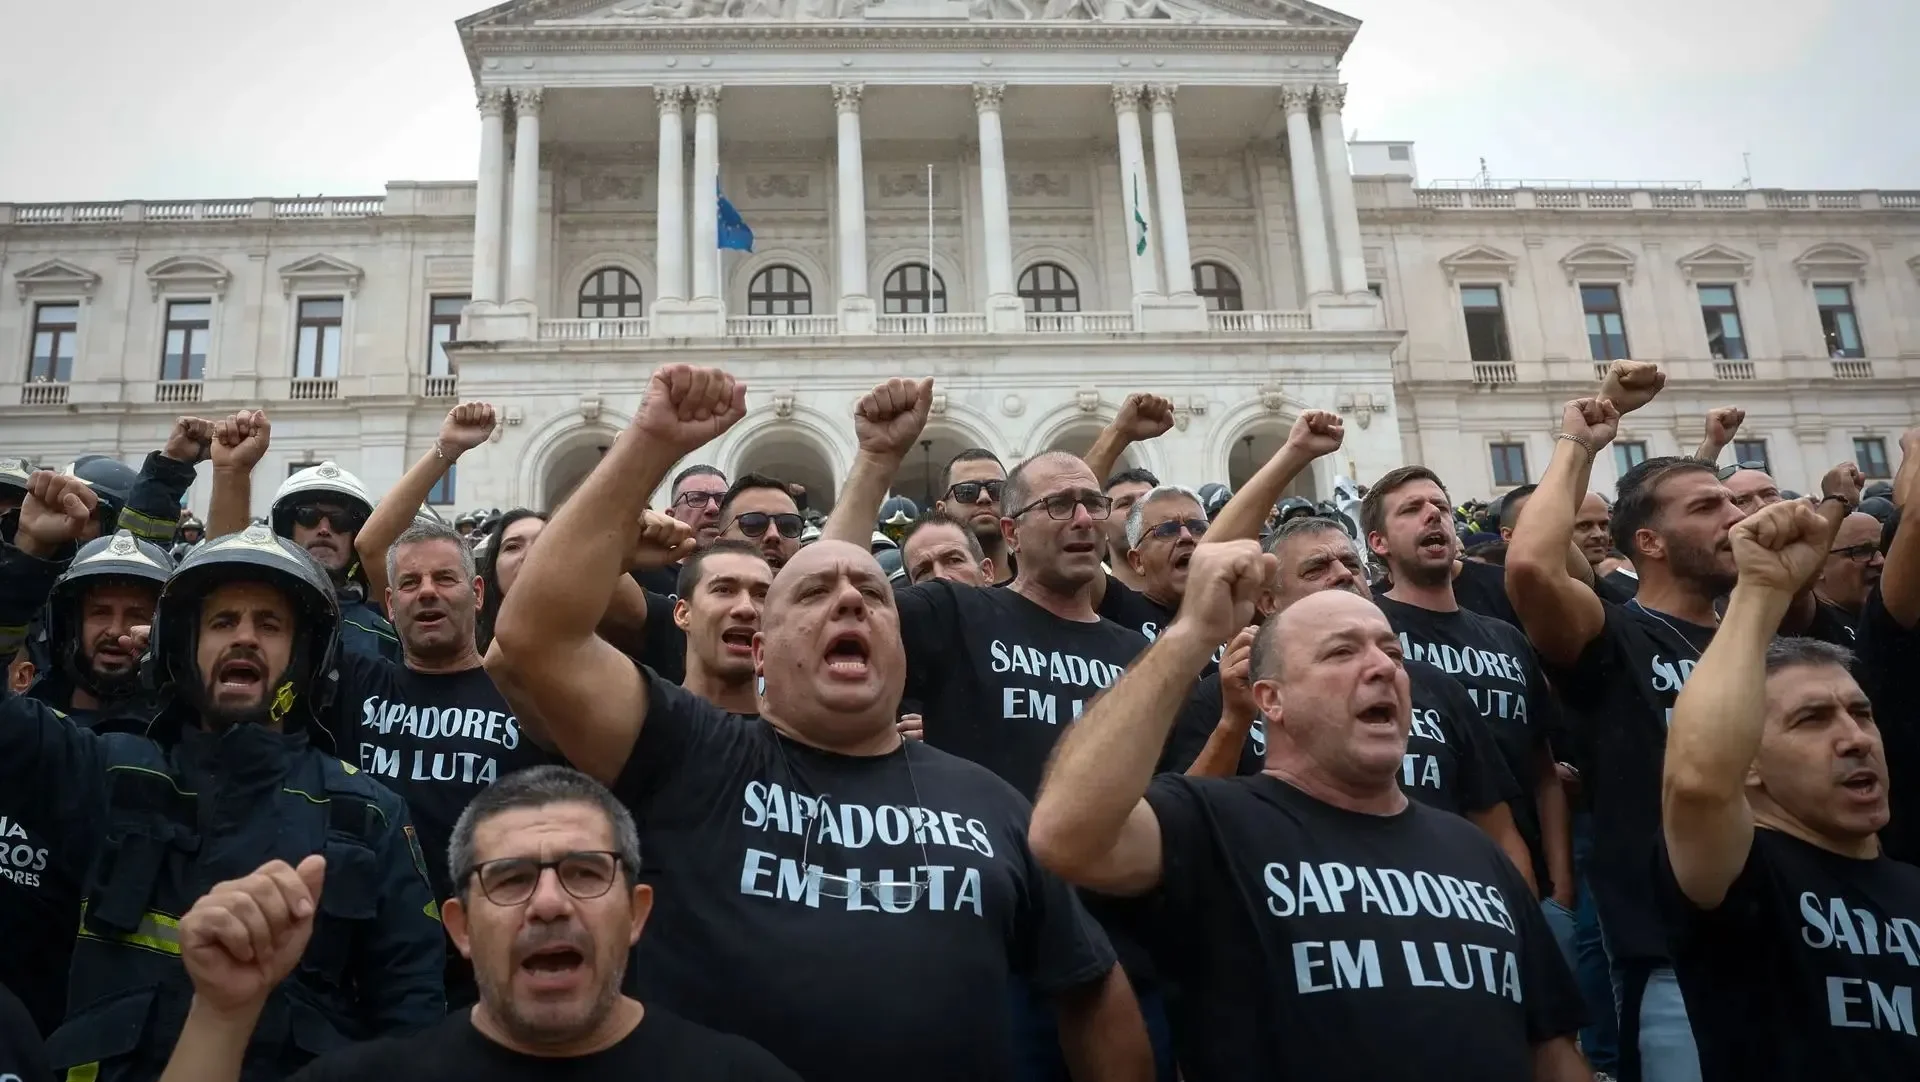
(1218, 287)
(779, 291)
(1049, 287)
(907, 291)
(611, 293)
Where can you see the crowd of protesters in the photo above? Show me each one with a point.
(1075, 774)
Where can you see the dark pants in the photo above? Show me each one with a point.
(1036, 1040)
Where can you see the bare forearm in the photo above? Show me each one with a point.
(1243, 515)
(1709, 450)
(230, 506)
(1221, 756)
(625, 622)
(1559, 1060)
(1106, 451)
(1716, 724)
(858, 504)
(211, 1047)
(1102, 1035)
(1556, 829)
(394, 513)
(1544, 533)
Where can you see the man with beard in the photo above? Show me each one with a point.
(1618, 669)
(975, 481)
(432, 728)
(938, 546)
(106, 591)
(550, 951)
(761, 510)
(852, 901)
(320, 509)
(1408, 519)
(235, 770)
(694, 498)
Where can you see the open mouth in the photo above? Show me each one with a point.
(738, 640)
(1078, 548)
(239, 675)
(1865, 783)
(1181, 558)
(430, 618)
(847, 656)
(1435, 541)
(1386, 714)
(556, 965)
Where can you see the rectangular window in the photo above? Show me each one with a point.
(317, 345)
(189, 326)
(443, 326)
(1752, 451)
(441, 494)
(1628, 454)
(1726, 339)
(296, 467)
(1486, 324)
(1509, 464)
(56, 333)
(1838, 323)
(1606, 324)
(1871, 456)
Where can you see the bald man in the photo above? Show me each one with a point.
(830, 885)
(1322, 925)
(1852, 570)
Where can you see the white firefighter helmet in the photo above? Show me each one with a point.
(314, 482)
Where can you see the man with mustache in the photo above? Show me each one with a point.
(548, 903)
(236, 770)
(1790, 929)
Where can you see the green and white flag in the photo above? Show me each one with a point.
(1139, 220)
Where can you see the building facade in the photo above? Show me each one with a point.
(1044, 205)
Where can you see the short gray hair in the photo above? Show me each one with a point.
(422, 531)
(1136, 515)
(1788, 651)
(540, 787)
(1307, 524)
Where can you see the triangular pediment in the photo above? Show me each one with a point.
(580, 13)
(1717, 262)
(187, 273)
(1833, 262)
(320, 272)
(1479, 261)
(1598, 262)
(56, 276)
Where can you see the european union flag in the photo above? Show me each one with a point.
(734, 233)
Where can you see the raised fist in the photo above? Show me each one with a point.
(1592, 419)
(1845, 481)
(190, 441)
(1223, 582)
(243, 937)
(687, 407)
(467, 426)
(1632, 384)
(1723, 424)
(1780, 547)
(663, 541)
(1144, 416)
(1317, 432)
(240, 440)
(890, 417)
(56, 513)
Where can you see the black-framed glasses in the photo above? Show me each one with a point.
(1060, 506)
(699, 501)
(586, 875)
(754, 524)
(343, 520)
(1725, 472)
(1167, 531)
(969, 491)
(1859, 553)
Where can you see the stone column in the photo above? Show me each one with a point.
(1309, 220)
(1004, 310)
(706, 195)
(670, 215)
(524, 261)
(1135, 197)
(1177, 259)
(489, 197)
(856, 304)
(1348, 259)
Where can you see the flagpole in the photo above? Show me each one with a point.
(929, 247)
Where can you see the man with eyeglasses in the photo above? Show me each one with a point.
(761, 510)
(1852, 571)
(976, 479)
(548, 905)
(694, 499)
(853, 901)
(1162, 528)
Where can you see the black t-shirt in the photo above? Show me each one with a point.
(661, 580)
(1130, 608)
(1301, 934)
(661, 1047)
(1618, 586)
(998, 677)
(1482, 588)
(665, 648)
(1887, 664)
(23, 1056)
(1833, 624)
(875, 939)
(1451, 761)
(1496, 664)
(1621, 692)
(1806, 971)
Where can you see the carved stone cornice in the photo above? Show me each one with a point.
(846, 97)
(1126, 96)
(1161, 95)
(987, 96)
(526, 100)
(492, 100)
(1296, 99)
(1333, 97)
(670, 98)
(706, 98)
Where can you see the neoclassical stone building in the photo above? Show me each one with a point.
(1045, 204)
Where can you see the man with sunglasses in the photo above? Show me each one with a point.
(852, 901)
(976, 479)
(761, 510)
(547, 866)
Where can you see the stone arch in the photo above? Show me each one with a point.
(560, 456)
(1071, 429)
(922, 476)
(803, 447)
(1248, 435)
(953, 276)
(818, 283)
(568, 302)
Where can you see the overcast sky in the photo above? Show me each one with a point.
(160, 99)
